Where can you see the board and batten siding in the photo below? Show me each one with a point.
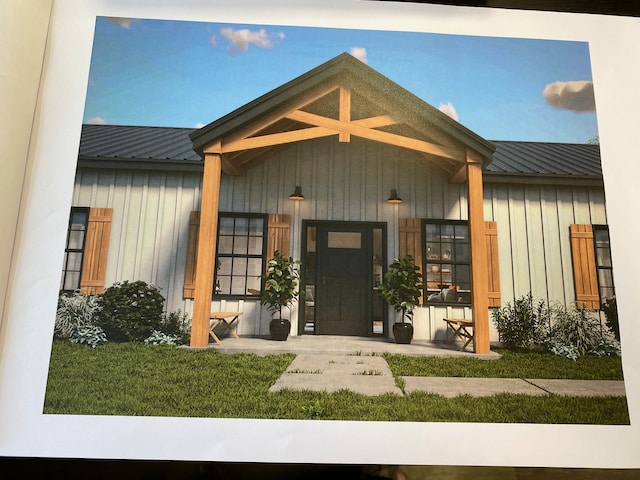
(149, 229)
(533, 235)
(340, 182)
(345, 182)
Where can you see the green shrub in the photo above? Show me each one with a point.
(74, 312)
(177, 324)
(607, 347)
(523, 324)
(610, 309)
(566, 351)
(579, 328)
(90, 335)
(130, 311)
(159, 338)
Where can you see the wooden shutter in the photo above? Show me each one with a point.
(96, 249)
(410, 241)
(493, 268)
(584, 266)
(192, 255)
(278, 235)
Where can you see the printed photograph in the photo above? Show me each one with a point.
(283, 222)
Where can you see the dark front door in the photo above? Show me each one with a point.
(343, 280)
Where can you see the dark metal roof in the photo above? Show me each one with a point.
(546, 159)
(136, 143)
(164, 144)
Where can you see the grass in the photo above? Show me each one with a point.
(135, 379)
(511, 365)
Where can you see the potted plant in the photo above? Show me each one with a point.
(280, 291)
(401, 288)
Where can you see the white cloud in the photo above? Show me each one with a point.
(199, 125)
(360, 53)
(123, 22)
(576, 96)
(450, 110)
(241, 39)
(97, 121)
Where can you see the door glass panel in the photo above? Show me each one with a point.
(309, 266)
(344, 240)
(377, 310)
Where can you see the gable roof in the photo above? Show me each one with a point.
(171, 148)
(343, 97)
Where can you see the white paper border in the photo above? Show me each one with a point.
(25, 340)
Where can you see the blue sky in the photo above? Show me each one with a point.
(188, 74)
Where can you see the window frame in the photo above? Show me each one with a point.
(67, 250)
(603, 228)
(265, 228)
(451, 261)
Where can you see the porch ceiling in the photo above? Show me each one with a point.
(342, 98)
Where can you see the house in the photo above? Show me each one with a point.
(343, 169)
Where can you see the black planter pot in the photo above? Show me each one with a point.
(279, 329)
(403, 332)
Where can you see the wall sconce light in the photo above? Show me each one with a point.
(393, 198)
(297, 194)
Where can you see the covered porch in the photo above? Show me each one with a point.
(342, 99)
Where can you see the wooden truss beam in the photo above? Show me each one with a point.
(299, 135)
(379, 136)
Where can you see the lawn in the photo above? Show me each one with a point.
(136, 379)
(510, 365)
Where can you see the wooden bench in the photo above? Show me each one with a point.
(460, 328)
(221, 318)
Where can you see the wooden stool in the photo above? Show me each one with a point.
(217, 318)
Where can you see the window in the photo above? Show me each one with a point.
(446, 258)
(240, 259)
(74, 249)
(604, 265)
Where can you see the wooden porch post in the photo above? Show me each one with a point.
(205, 263)
(479, 274)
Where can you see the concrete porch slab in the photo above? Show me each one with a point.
(341, 345)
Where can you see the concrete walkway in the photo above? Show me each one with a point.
(330, 364)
